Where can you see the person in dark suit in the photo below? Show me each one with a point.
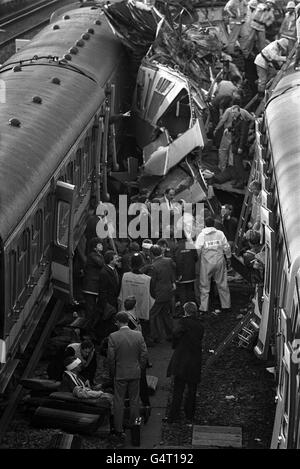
(90, 290)
(127, 354)
(109, 281)
(99, 213)
(109, 289)
(162, 287)
(185, 259)
(185, 363)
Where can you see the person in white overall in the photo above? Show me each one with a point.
(213, 247)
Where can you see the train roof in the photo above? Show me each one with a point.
(31, 153)
(282, 117)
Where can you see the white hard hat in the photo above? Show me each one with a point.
(290, 5)
(271, 1)
(283, 42)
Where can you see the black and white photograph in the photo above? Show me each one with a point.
(149, 235)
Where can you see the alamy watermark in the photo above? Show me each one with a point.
(150, 220)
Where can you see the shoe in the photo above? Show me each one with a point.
(188, 422)
(170, 420)
(118, 439)
(216, 312)
(226, 310)
(147, 413)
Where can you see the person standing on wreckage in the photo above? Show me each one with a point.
(269, 61)
(262, 18)
(236, 10)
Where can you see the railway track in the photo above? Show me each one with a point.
(16, 25)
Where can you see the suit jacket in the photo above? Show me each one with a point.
(186, 360)
(185, 262)
(162, 279)
(94, 264)
(127, 354)
(109, 287)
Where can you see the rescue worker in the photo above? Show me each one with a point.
(226, 122)
(226, 92)
(246, 27)
(230, 71)
(239, 137)
(263, 17)
(288, 25)
(269, 61)
(212, 245)
(236, 9)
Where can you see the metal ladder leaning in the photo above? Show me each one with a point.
(243, 331)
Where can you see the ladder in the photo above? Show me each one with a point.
(245, 213)
(240, 331)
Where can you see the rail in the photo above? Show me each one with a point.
(16, 16)
(14, 19)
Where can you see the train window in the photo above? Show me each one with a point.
(286, 402)
(23, 261)
(267, 270)
(283, 290)
(156, 102)
(63, 216)
(95, 131)
(13, 277)
(140, 89)
(70, 176)
(37, 238)
(294, 317)
(47, 222)
(87, 151)
(78, 168)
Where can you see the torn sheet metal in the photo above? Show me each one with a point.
(159, 161)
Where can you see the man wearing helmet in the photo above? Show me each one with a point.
(269, 60)
(263, 17)
(288, 25)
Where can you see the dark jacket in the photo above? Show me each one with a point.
(228, 225)
(186, 360)
(93, 267)
(185, 262)
(109, 287)
(239, 133)
(162, 279)
(90, 233)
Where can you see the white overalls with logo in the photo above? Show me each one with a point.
(212, 246)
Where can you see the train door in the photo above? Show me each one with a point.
(268, 293)
(62, 257)
(281, 423)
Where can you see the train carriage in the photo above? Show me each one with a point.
(60, 91)
(277, 166)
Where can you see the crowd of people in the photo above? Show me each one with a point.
(140, 292)
(261, 37)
